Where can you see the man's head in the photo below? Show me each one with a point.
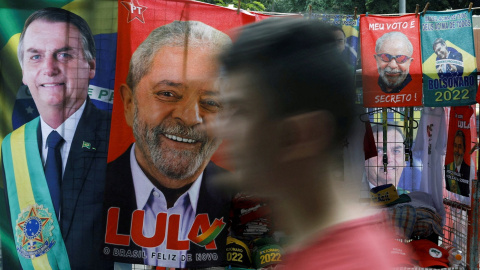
(340, 37)
(393, 53)
(395, 151)
(440, 48)
(458, 147)
(288, 100)
(171, 101)
(57, 55)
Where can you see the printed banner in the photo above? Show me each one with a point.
(17, 108)
(391, 66)
(161, 207)
(346, 34)
(346, 37)
(448, 57)
(262, 16)
(457, 159)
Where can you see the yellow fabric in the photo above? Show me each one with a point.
(22, 180)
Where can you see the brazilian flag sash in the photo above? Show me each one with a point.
(38, 238)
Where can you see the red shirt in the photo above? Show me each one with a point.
(354, 245)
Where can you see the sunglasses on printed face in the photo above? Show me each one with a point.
(400, 59)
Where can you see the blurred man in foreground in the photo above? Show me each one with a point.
(288, 104)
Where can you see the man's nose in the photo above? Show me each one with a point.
(50, 66)
(393, 63)
(390, 157)
(188, 112)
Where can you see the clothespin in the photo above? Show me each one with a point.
(238, 9)
(425, 9)
(470, 7)
(416, 10)
(355, 13)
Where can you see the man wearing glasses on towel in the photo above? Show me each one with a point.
(393, 53)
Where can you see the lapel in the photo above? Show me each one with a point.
(39, 138)
(213, 199)
(120, 192)
(79, 163)
(216, 202)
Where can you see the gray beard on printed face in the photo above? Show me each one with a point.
(174, 164)
(392, 82)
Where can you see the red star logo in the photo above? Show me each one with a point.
(135, 10)
(43, 220)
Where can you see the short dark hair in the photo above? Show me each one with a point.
(297, 68)
(53, 14)
(176, 33)
(438, 41)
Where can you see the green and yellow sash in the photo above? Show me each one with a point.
(37, 234)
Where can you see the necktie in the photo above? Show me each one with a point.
(53, 168)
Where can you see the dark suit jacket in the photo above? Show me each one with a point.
(83, 186)
(465, 173)
(120, 192)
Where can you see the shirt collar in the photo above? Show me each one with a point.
(458, 167)
(66, 129)
(143, 186)
(194, 192)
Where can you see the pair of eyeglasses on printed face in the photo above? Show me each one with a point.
(400, 59)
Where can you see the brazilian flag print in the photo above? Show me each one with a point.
(448, 58)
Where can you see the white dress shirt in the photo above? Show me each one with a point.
(152, 200)
(66, 130)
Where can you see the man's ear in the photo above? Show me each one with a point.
(93, 65)
(306, 135)
(128, 105)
